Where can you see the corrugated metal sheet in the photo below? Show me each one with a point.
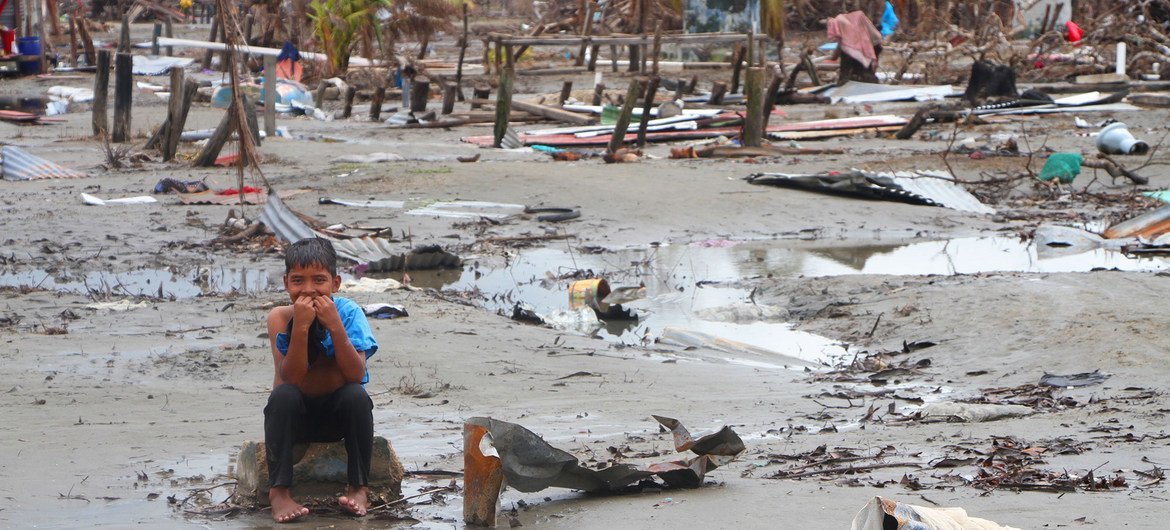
(19, 164)
(933, 188)
(287, 226)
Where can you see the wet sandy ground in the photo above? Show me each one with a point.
(127, 408)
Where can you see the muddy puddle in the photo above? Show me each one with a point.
(143, 282)
(688, 301)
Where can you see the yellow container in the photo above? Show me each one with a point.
(589, 293)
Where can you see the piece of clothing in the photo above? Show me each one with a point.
(357, 326)
(856, 37)
(291, 418)
(889, 20)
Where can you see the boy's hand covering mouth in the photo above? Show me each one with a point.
(304, 310)
(326, 312)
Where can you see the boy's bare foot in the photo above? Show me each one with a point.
(356, 500)
(284, 508)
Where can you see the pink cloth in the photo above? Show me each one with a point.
(856, 36)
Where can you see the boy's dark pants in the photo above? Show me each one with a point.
(291, 418)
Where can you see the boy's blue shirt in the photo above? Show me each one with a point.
(356, 326)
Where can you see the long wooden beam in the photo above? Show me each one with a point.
(623, 40)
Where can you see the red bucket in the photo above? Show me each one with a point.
(7, 37)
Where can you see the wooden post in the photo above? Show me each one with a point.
(54, 17)
(770, 97)
(694, 83)
(737, 66)
(718, 89)
(613, 57)
(623, 123)
(651, 91)
(223, 56)
(248, 21)
(154, 35)
(101, 93)
(420, 92)
(190, 87)
(753, 123)
(376, 103)
(350, 92)
(657, 49)
(170, 32)
(162, 138)
(504, 99)
(214, 145)
(72, 42)
(586, 29)
(86, 42)
(270, 96)
(210, 38)
(123, 95)
(320, 99)
(449, 96)
(479, 93)
(124, 40)
(566, 92)
(593, 57)
(598, 93)
(250, 119)
(462, 53)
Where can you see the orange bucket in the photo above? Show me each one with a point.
(589, 293)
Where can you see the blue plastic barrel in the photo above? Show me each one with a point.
(30, 50)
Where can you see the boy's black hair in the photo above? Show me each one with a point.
(311, 251)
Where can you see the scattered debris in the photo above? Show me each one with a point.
(931, 188)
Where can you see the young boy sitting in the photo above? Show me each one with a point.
(320, 344)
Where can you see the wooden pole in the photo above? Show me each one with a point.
(770, 97)
(623, 123)
(170, 33)
(320, 100)
(210, 38)
(224, 62)
(270, 96)
(598, 93)
(54, 17)
(174, 107)
(250, 119)
(101, 93)
(593, 49)
(462, 53)
(479, 94)
(420, 93)
(72, 42)
(504, 99)
(86, 42)
(123, 95)
(566, 92)
(586, 29)
(155, 33)
(737, 66)
(449, 96)
(376, 103)
(718, 89)
(124, 40)
(350, 92)
(644, 120)
(248, 21)
(753, 123)
(214, 145)
(657, 49)
(190, 87)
